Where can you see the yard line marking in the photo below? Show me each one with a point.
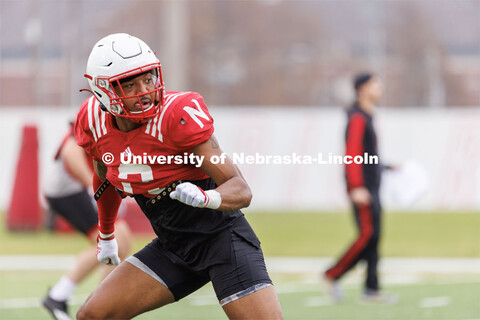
(22, 303)
(392, 265)
(36, 262)
(434, 302)
(294, 288)
(318, 301)
(207, 300)
(399, 270)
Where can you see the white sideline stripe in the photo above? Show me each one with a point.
(390, 265)
(350, 284)
(21, 303)
(207, 300)
(36, 262)
(318, 301)
(434, 302)
(394, 266)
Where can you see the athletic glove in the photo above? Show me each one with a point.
(107, 249)
(194, 196)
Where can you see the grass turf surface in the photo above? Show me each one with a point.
(307, 234)
(300, 300)
(449, 234)
(287, 234)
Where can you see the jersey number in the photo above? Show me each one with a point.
(144, 170)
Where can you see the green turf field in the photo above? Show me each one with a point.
(436, 296)
(404, 234)
(300, 300)
(308, 234)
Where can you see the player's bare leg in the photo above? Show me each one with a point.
(87, 261)
(261, 305)
(85, 264)
(58, 296)
(124, 294)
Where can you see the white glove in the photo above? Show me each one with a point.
(194, 196)
(107, 249)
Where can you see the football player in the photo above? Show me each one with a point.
(67, 188)
(194, 208)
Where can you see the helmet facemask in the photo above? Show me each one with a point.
(112, 87)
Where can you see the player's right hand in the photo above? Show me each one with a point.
(107, 249)
(360, 196)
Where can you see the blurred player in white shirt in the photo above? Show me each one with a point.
(67, 189)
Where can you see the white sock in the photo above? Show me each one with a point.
(63, 289)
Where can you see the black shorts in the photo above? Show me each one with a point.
(243, 273)
(78, 210)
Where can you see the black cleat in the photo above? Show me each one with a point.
(58, 309)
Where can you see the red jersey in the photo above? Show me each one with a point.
(183, 123)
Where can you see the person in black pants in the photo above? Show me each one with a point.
(363, 182)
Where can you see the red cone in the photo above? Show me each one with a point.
(25, 212)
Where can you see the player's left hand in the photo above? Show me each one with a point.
(194, 196)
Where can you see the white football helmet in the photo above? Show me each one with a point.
(116, 57)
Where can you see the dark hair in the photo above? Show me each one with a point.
(360, 79)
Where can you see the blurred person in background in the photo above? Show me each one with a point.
(68, 190)
(193, 205)
(363, 183)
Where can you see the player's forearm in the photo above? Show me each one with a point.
(108, 205)
(235, 194)
(83, 174)
(232, 187)
(75, 161)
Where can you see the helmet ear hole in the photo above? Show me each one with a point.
(103, 107)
